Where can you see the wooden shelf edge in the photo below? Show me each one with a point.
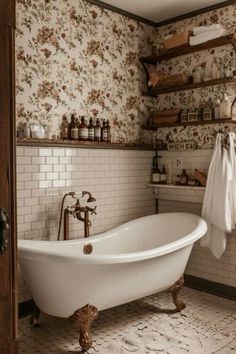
(179, 124)
(185, 87)
(184, 50)
(80, 144)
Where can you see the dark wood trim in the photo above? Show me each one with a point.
(122, 12)
(211, 287)
(165, 22)
(185, 87)
(195, 13)
(26, 308)
(187, 49)
(8, 286)
(82, 144)
(182, 124)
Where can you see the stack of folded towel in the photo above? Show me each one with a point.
(205, 33)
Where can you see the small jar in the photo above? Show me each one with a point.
(184, 178)
(197, 75)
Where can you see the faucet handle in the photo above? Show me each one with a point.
(93, 210)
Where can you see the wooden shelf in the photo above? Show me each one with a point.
(181, 124)
(179, 51)
(185, 87)
(81, 144)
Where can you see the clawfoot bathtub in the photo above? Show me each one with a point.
(136, 259)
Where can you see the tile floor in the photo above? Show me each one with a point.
(206, 326)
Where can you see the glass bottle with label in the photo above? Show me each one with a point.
(163, 176)
(155, 169)
(83, 130)
(217, 110)
(91, 130)
(73, 131)
(97, 131)
(108, 132)
(104, 131)
(156, 175)
(225, 107)
(184, 178)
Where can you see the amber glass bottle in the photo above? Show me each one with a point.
(83, 130)
(91, 130)
(104, 131)
(108, 132)
(97, 131)
(73, 131)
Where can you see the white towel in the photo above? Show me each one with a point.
(217, 206)
(206, 36)
(202, 29)
(232, 157)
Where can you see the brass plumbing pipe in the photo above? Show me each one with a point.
(76, 213)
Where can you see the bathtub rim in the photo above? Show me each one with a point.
(27, 249)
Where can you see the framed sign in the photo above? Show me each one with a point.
(185, 145)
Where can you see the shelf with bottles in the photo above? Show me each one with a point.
(42, 142)
(162, 83)
(221, 112)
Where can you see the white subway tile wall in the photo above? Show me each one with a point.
(201, 264)
(116, 178)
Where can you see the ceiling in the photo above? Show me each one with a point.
(159, 10)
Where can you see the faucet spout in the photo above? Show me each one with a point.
(80, 218)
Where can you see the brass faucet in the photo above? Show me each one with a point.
(76, 211)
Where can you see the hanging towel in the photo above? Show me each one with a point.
(217, 206)
(206, 36)
(232, 157)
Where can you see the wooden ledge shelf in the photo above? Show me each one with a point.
(81, 144)
(181, 124)
(176, 52)
(159, 91)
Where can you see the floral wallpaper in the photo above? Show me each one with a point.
(220, 57)
(72, 56)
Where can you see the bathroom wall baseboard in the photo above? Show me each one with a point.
(211, 287)
(207, 286)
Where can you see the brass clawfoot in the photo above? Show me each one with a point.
(34, 318)
(174, 290)
(83, 318)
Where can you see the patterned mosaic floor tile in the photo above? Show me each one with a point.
(206, 326)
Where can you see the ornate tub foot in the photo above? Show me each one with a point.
(84, 318)
(34, 318)
(174, 290)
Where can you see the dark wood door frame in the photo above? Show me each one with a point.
(8, 296)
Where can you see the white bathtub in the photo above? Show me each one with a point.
(136, 259)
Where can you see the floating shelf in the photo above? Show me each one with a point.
(185, 87)
(81, 144)
(174, 186)
(181, 124)
(176, 52)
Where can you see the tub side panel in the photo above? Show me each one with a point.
(60, 288)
